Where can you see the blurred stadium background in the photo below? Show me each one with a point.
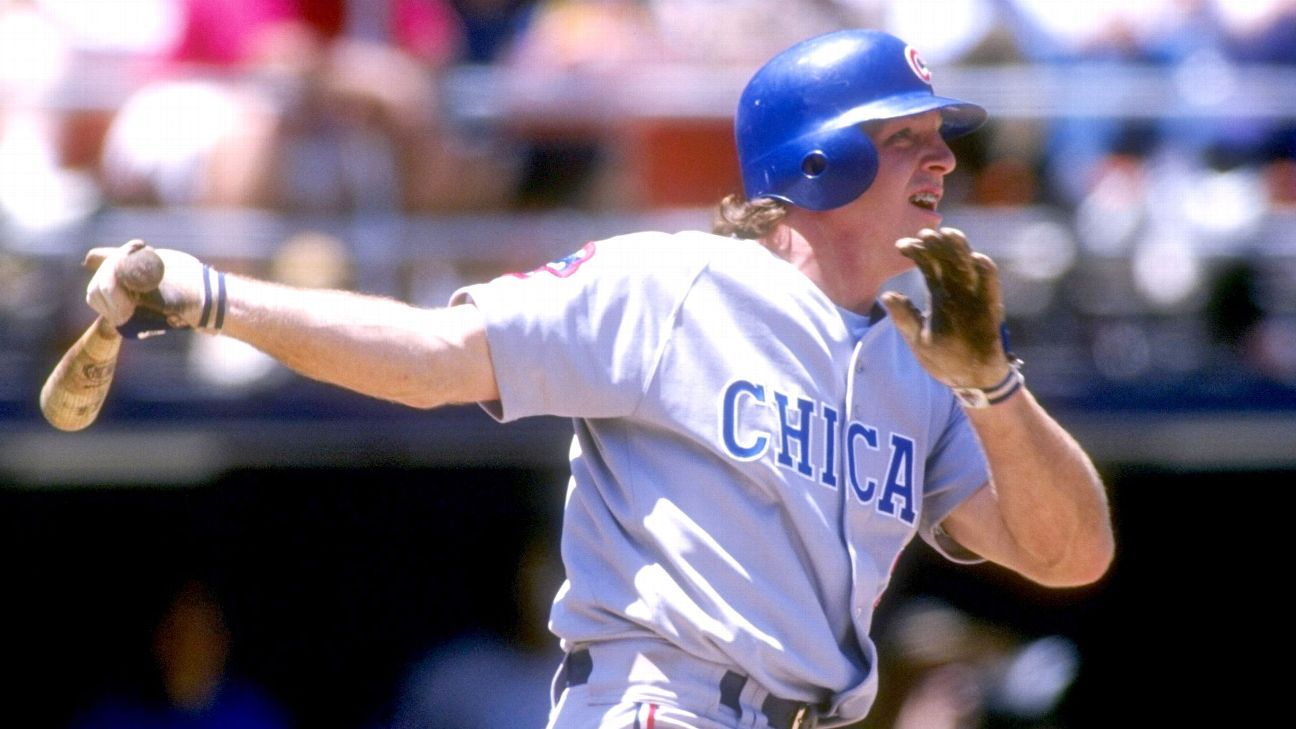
(334, 555)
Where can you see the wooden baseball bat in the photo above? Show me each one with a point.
(75, 391)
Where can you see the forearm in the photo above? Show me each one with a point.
(375, 346)
(1049, 496)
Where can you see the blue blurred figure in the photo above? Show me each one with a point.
(191, 645)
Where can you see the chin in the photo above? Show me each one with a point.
(925, 219)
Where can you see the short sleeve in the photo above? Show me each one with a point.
(581, 336)
(956, 469)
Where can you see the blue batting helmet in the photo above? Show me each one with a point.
(798, 121)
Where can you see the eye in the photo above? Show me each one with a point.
(904, 136)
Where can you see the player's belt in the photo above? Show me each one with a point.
(779, 713)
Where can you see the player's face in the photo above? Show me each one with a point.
(913, 160)
(852, 248)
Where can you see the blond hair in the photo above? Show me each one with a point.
(738, 217)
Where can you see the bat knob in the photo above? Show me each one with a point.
(141, 270)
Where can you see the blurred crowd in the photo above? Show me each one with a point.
(1166, 140)
(335, 105)
(1139, 164)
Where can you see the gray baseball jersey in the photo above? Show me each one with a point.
(749, 458)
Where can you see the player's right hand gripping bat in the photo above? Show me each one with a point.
(75, 390)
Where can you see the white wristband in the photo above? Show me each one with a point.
(976, 397)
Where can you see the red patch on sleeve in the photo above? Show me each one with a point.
(565, 266)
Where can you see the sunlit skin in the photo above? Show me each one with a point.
(849, 252)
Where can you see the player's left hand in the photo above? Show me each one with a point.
(959, 342)
(178, 301)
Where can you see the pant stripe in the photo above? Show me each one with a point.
(649, 717)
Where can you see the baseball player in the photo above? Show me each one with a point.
(758, 431)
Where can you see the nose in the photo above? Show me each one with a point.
(939, 157)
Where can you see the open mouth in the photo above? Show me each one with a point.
(925, 200)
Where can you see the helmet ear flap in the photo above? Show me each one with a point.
(837, 167)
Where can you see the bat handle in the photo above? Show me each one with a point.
(74, 392)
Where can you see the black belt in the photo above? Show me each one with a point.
(779, 713)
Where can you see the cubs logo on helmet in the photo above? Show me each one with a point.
(917, 64)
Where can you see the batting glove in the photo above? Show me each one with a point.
(960, 342)
(191, 295)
